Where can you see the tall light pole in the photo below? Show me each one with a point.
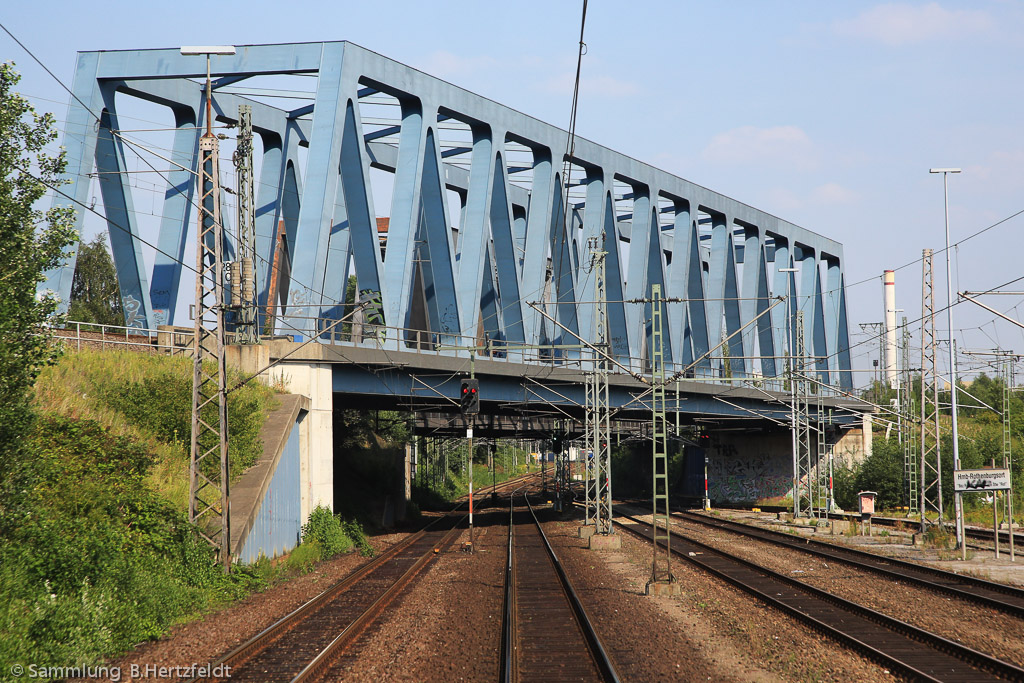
(792, 388)
(957, 502)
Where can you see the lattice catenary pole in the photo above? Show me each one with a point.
(931, 453)
(907, 431)
(802, 418)
(661, 563)
(589, 480)
(209, 503)
(243, 274)
(602, 412)
(1007, 372)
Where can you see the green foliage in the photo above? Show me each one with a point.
(95, 295)
(366, 429)
(98, 561)
(326, 535)
(354, 531)
(433, 488)
(304, 557)
(350, 298)
(95, 558)
(882, 472)
(844, 483)
(324, 529)
(31, 243)
(937, 537)
(161, 401)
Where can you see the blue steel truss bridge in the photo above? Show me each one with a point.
(466, 226)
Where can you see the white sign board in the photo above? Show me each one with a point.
(966, 481)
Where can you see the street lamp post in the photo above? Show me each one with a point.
(957, 498)
(792, 390)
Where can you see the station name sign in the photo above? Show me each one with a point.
(995, 479)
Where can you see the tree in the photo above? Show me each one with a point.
(31, 242)
(95, 295)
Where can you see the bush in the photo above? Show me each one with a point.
(303, 557)
(355, 532)
(98, 562)
(162, 402)
(325, 529)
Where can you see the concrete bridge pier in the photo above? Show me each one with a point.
(313, 381)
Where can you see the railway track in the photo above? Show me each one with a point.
(972, 532)
(304, 644)
(911, 651)
(995, 595)
(546, 634)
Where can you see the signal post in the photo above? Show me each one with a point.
(469, 403)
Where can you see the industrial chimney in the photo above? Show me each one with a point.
(890, 328)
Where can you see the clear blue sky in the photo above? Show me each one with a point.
(827, 114)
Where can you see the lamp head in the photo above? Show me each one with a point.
(207, 50)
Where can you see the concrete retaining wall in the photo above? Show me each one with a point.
(266, 510)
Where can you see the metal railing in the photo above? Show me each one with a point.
(172, 339)
(392, 338)
(78, 334)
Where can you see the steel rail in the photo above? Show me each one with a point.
(245, 652)
(506, 672)
(599, 655)
(978, 533)
(882, 638)
(968, 588)
(322, 662)
(261, 641)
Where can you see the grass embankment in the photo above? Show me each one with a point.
(147, 399)
(102, 555)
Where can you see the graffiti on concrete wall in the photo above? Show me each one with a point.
(747, 473)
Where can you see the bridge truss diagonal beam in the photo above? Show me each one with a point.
(475, 204)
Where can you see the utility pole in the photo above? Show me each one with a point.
(602, 412)
(931, 467)
(910, 469)
(243, 274)
(661, 562)
(209, 476)
(801, 390)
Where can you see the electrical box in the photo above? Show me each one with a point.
(867, 503)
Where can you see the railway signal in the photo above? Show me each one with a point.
(470, 396)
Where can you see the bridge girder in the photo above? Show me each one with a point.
(719, 257)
